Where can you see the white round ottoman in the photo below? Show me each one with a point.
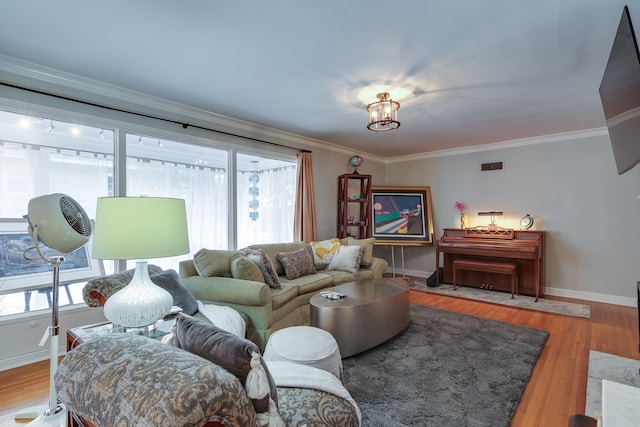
(305, 345)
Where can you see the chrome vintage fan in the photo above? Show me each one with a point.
(59, 222)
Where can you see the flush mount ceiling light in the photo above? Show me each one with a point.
(383, 114)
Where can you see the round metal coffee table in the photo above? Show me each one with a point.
(372, 312)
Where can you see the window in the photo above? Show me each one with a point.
(265, 194)
(162, 168)
(39, 155)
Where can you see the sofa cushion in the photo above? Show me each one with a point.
(297, 263)
(339, 276)
(367, 255)
(264, 263)
(283, 295)
(170, 281)
(347, 259)
(243, 268)
(225, 350)
(310, 283)
(213, 262)
(324, 250)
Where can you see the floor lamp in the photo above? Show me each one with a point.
(60, 223)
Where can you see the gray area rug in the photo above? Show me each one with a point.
(445, 369)
(504, 298)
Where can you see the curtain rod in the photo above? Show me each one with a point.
(176, 122)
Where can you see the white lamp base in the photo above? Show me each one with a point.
(140, 303)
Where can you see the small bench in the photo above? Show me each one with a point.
(507, 268)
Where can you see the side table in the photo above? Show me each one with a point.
(76, 336)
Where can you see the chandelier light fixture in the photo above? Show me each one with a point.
(383, 114)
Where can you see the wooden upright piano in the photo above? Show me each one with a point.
(524, 248)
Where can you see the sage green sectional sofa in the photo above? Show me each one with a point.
(237, 279)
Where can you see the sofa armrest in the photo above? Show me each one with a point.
(127, 379)
(379, 267)
(228, 290)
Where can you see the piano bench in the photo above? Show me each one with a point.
(507, 268)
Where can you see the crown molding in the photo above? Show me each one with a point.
(35, 76)
(543, 139)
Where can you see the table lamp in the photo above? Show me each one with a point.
(139, 228)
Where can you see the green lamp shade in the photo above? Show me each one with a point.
(132, 228)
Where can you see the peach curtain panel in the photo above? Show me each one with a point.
(304, 223)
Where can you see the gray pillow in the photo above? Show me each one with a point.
(170, 281)
(262, 260)
(225, 350)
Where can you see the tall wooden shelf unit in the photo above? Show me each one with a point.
(354, 205)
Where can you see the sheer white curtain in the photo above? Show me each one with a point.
(275, 210)
(27, 173)
(205, 191)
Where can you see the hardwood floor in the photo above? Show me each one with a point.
(556, 390)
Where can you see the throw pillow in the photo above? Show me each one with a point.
(212, 262)
(262, 260)
(226, 350)
(243, 268)
(224, 317)
(297, 263)
(325, 250)
(347, 259)
(367, 255)
(170, 281)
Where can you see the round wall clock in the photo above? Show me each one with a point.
(526, 222)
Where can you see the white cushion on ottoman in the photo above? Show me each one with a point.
(305, 345)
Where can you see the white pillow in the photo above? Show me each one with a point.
(347, 259)
(224, 318)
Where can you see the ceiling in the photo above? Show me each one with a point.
(476, 72)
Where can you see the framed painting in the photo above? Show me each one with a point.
(402, 215)
(21, 268)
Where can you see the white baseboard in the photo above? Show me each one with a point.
(592, 296)
(558, 292)
(407, 272)
(29, 358)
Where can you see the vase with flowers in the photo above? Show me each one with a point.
(460, 207)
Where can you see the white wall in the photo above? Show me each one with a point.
(570, 186)
(20, 334)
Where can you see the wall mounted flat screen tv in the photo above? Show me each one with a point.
(620, 96)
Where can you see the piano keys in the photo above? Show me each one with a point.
(525, 248)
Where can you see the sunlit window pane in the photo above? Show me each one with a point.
(266, 191)
(161, 168)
